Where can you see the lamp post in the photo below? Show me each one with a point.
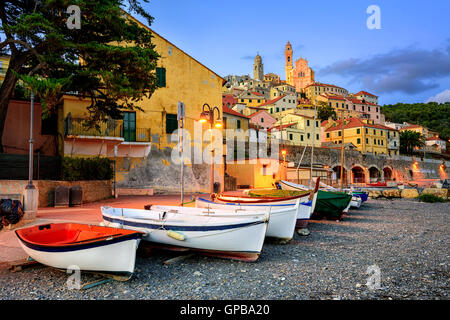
(31, 192)
(207, 115)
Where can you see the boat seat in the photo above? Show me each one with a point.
(69, 240)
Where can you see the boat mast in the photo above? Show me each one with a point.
(312, 147)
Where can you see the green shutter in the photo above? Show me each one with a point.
(171, 123)
(161, 76)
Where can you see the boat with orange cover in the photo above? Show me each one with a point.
(81, 246)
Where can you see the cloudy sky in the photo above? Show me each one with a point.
(407, 60)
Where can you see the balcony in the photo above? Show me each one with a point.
(110, 128)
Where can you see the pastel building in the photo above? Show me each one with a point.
(298, 74)
(262, 120)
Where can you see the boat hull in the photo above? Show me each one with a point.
(242, 239)
(282, 217)
(109, 256)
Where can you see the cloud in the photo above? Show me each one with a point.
(248, 57)
(409, 70)
(442, 97)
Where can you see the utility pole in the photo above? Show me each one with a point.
(342, 151)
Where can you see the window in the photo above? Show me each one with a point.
(301, 138)
(381, 133)
(367, 131)
(290, 136)
(307, 122)
(317, 137)
(161, 77)
(358, 131)
(328, 134)
(259, 101)
(358, 141)
(374, 141)
(49, 126)
(317, 124)
(242, 100)
(395, 143)
(249, 100)
(340, 133)
(367, 141)
(354, 107)
(171, 123)
(362, 108)
(368, 108)
(309, 136)
(262, 120)
(238, 124)
(374, 132)
(278, 109)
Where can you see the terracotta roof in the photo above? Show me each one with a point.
(272, 101)
(258, 112)
(355, 123)
(413, 126)
(234, 113)
(366, 93)
(278, 127)
(335, 97)
(318, 84)
(434, 138)
(258, 94)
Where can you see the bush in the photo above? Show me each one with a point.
(75, 169)
(431, 198)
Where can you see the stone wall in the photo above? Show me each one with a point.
(403, 168)
(159, 172)
(92, 190)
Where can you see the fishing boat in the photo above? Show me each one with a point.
(87, 247)
(212, 232)
(283, 217)
(330, 204)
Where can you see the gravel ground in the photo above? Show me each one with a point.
(407, 240)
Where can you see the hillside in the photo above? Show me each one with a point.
(432, 115)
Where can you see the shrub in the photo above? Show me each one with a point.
(75, 169)
(431, 198)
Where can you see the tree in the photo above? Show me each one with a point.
(434, 116)
(110, 60)
(410, 140)
(325, 111)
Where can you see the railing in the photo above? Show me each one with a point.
(110, 128)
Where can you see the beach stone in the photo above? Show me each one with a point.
(410, 193)
(389, 193)
(303, 232)
(441, 193)
(374, 194)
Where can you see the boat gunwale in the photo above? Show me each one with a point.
(262, 199)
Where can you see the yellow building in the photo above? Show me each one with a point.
(251, 98)
(318, 88)
(4, 64)
(422, 130)
(181, 78)
(297, 129)
(366, 136)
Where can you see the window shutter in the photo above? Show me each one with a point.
(161, 75)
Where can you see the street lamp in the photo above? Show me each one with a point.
(207, 115)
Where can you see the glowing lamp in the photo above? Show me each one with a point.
(203, 117)
(218, 124)
(283, 152)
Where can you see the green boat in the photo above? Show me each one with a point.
(329, 204)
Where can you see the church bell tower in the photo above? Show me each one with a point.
(288, 63)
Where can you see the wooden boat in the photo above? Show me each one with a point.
(88, 247)
(331, 204)
(212, 232)
(377, 184)
(283, 217)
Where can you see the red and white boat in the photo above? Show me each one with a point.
(86, 247)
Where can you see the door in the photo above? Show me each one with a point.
(129, 126)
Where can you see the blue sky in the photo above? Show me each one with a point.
(407, 60)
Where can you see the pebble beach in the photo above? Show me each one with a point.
(385, 250)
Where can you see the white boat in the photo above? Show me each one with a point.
(213, 232)
(82, 247)
(283, 217)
